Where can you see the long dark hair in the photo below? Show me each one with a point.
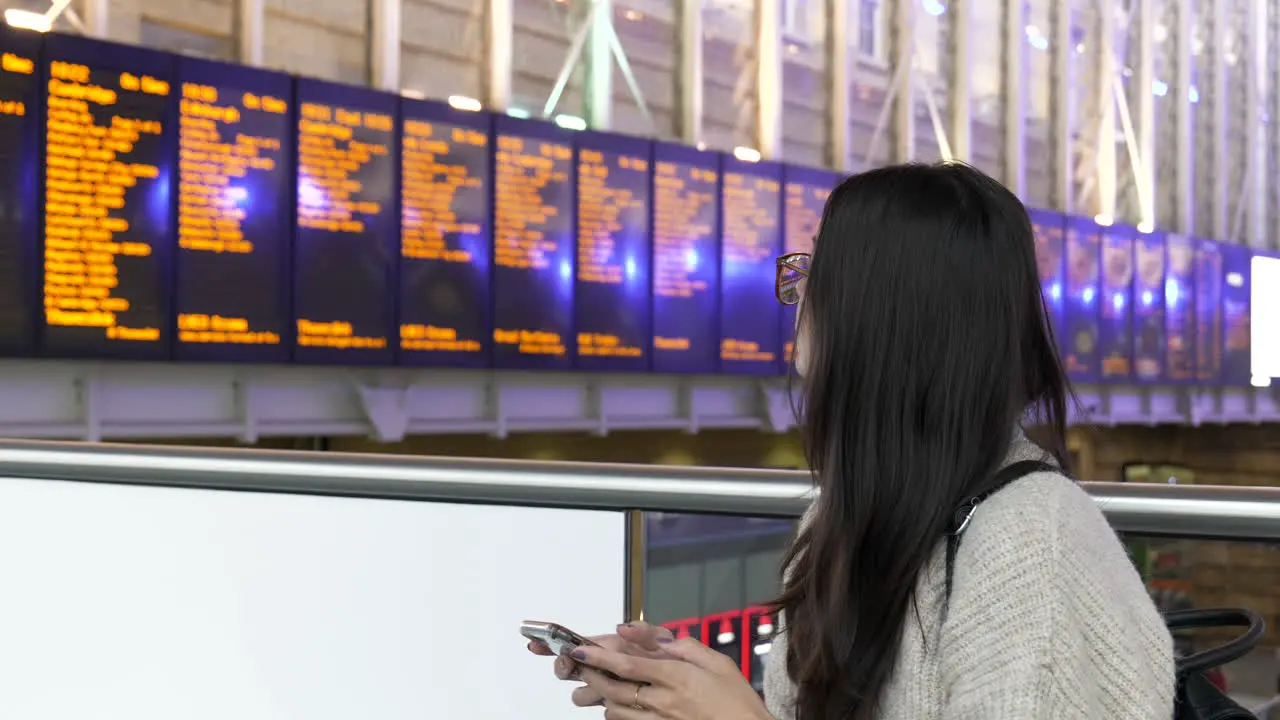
(926, 341)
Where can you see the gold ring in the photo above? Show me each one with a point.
(635, 702)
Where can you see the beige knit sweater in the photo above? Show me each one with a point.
(1047, 619)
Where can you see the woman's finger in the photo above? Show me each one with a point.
(586, 696)
(565, 668)
(627, 667)
(537, 647)
(695, 653)
(613, 691)
(643, 635)
(614, 711)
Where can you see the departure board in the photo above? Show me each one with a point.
(1148, 308)
(20, 137)
(344, 258)
(445, 190)
(686, 259)
(108, 202)
(1081, 318)
(1208, 312)
(1235, 315)
(1179, 309)
(533, 248)
(234, 213)
(612, 316)
(1115, 336)
(1050, 261)
(805, 191)
(750, 241)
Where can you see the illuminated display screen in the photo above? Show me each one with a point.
(1080, 347)
(750, 241)
(533, 248)
(1179, 308)
(805, 193)
(20, 131)
(686, 260)
(445, 190)
(1208, 311)
(234, 222)
(612, 292)
(1235, 315)
(107, 210)
(1148, 308)
(345, 244)
(1116, 307)
(1050, 258)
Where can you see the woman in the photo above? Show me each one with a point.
(923, 342)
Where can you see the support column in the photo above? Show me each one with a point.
(250, 19)
(1144, 176)
(598, 93)
(384, 44)
(1256, 132)
(97, 18)
(1105, 165)
(904, 100)
(689, 77)
(1062, 108)
(498, 33)
(842, 25)
(1184, 194)
(1015, 97)
(768, 37)
(959, 88)
(1221, 171)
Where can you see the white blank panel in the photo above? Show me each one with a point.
(141, 603)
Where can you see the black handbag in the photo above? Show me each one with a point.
(1197, 698)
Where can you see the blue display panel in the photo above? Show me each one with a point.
(20, 138)
(1236, 345)
(533, 245)
(231, 266)
(750, 241)
(345, 246)
(1116, 306)
(1050, 228)
(1179, 309)
(1148, 308)
(613, 306)
(1208, 312)
(686, 259)
(1081, 317)
(445, 209)
(108, 208)
(805, 193)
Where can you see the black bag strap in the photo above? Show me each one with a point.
(1253, 623)
(964, 513)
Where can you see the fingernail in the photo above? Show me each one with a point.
(625, 625)
(579, 654)
(665, 640)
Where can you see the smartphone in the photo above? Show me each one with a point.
(560, 639)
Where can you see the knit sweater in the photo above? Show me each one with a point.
(1047, 619)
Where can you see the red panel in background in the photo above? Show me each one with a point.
(735, 633)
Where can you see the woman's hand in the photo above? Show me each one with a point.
(689, 681)
(638, 638)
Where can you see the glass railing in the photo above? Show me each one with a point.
(386, 570)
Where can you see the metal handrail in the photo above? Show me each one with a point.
(1244, 513)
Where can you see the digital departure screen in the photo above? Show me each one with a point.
(1208, 311)
(234, 219)
(1235, 315)
(107, 207)
(1179, 309)
(1148, 308)
(1116, 329)
(805, 194)
(1080, 349)
(750, 241)
(445, 186)
(347, 234)
(612, 292)
(20, 137)
(533, 248)
(1050, 256)
(686, 259)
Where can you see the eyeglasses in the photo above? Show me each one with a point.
(792, 271)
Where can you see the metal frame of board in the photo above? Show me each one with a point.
(122, 400)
